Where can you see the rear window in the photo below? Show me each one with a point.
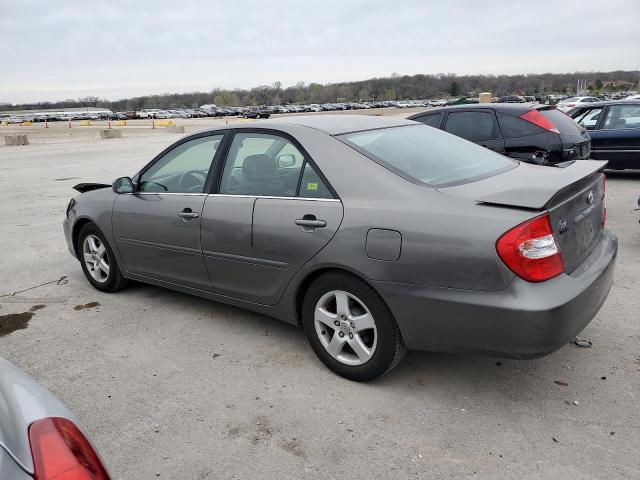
(564, 123)
(428, 155)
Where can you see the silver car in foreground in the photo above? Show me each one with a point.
(39, 437)
(375, 234)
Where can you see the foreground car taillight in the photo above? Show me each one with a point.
(530, 250)
(535, 117)
(604, 199)
(61, 452)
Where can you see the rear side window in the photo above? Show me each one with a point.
(622, 116)
(588, 118)
(312, 185)
(428, 155)
(474, 126)
(513, 127)
(430, 120)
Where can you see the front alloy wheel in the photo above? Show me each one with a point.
(96, 259)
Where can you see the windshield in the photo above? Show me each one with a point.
(428, 155)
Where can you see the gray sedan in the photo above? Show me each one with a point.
(39, 437)
(375, 234)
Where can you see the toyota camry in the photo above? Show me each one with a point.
(374, 234)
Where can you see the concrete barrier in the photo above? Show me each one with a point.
(16, 140)
(85, 123)
(163, 123)
(110, 133)
(175, 129)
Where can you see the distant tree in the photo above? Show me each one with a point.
(389, 94)
(454, 89)
(598, 84)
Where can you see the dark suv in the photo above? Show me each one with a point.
(532, 133)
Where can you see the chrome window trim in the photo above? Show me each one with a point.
(165, 193)
(227, 195)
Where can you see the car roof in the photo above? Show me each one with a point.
(611, 102)
(332, 124)
(511, 108)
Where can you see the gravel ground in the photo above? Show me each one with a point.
(176, 386)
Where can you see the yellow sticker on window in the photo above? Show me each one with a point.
(312, 186)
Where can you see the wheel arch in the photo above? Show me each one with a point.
(310, 277)
(75, 232)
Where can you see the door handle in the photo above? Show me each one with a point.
(310, 222)
(187, 214)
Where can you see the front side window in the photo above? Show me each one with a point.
(261, 164)
(428, 155)
(430, 120)
(622, 116)
(183, 169)
(474, 126)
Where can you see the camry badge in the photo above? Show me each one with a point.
(590, 198)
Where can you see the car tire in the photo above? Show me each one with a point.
(380, 349)
(94, 253)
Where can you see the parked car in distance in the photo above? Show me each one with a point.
(614, 128)
(532, 133)
(256, 112)
(512, 99)
(571, 102)
(376, 234)
(148, 113)
(39, 438)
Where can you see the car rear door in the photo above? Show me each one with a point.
(157, 228)
(478, 126)
(271, 212)
(617, 138)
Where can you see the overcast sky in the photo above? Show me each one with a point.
(116, 49)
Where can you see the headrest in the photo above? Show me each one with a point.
(259, 168)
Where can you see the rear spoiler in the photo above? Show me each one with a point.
(87, 187)
(540, 192)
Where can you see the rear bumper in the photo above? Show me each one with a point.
(525, 320)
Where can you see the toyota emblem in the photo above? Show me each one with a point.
(590, 198)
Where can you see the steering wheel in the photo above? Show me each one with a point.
(192, 181)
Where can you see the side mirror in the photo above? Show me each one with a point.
(286, 161)
(123, 185)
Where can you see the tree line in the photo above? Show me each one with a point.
(395, 87)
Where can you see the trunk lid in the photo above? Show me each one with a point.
(574, 197)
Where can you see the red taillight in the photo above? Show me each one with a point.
(530, 250)
(61, 452)
(540, 120)
(604, 199)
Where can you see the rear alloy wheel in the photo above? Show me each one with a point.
(98, 261)
(350, 327)
(345, 327)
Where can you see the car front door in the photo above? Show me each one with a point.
(272, 212)
(157, 228)
(476, 126)
(617, 137)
